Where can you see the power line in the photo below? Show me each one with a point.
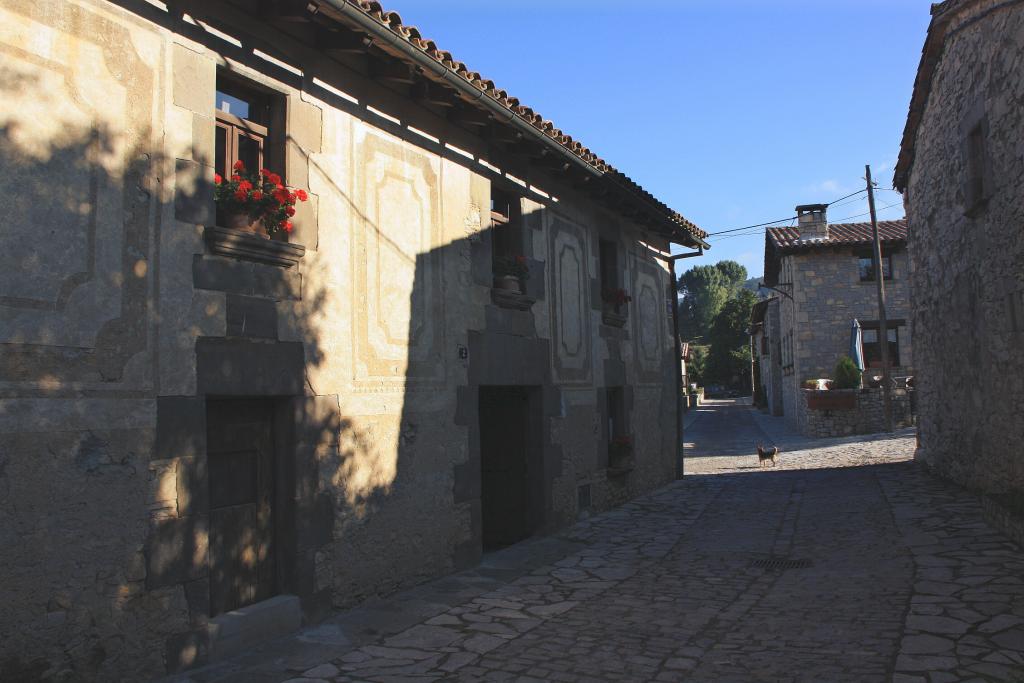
(868, 213)
(751, 232)
(781, 220)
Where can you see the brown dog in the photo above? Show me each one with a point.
(764, 454)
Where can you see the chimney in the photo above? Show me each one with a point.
(811, 221)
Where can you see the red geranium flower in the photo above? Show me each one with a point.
(287, 225)
(245, 185)
(280, 195)
(257, 195)
(217, 180)
(301, 194)
(235, 178)
(240, 195)
(274, 178)
(265, 173)
(290, 210)
(239, 166)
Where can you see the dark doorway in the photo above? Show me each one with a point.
(512, 490)
(241, 466)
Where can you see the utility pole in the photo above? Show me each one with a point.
(883, 327)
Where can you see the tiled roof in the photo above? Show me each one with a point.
(839, 234)
(412, 34)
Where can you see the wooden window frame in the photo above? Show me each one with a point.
(894, 345)
(234, 128)
(869, 274)
(509, 223)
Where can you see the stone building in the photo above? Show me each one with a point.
(824, 278)
(961, 172)
(206, 435)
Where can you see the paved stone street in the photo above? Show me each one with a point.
(893, 576)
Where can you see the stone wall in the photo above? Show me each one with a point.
(867, 417)
(121, 318)
(968, 261)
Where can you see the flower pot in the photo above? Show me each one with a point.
(240, 220)
(508, 282)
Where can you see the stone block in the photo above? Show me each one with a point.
(180, 427)
(318, 529)
(466, 485)
(191, 486)
(193, 192)
(203, 137)
(251, 317)
(307, 228)
(318, 420)
(305, 127)
(194, 81)
(176, 551)
(244, 628)
(535, 284)
(503, 359)
(243, 277)
(241, 367)
(503, 320)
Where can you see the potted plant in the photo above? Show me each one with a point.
(614, 299)
(510, 271)
(620, 453)
(847, 374)
(255, 202)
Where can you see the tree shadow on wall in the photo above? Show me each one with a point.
(103, 502)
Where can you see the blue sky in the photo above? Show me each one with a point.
(730, 111)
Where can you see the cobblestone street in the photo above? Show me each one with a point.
(891, 575)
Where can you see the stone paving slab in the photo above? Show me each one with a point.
(900, 579)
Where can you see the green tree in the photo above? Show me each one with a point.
(733, 273)
(696, 367)
(729, 357)
(704, 291)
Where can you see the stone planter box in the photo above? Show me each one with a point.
(831, 400)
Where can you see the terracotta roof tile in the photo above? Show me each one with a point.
(788, 239)
(410, 33)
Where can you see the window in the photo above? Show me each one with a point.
(873, 350)
(609, 264)
(506, 232)
(975, 187)
(243, 127)
(866, 267)
(764, 346)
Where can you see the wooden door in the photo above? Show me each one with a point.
(504, 466)
(240, 455)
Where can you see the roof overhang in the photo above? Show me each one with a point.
(404, 43)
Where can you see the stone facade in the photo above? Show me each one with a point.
(823, 293)
(125, 317)
(961, 170)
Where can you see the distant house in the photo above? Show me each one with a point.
(824, 278)
(961, 172)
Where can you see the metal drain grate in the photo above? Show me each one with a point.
(781, 563)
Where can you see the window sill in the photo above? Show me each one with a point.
(506, 298)
(614, 319)
(248, 247)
